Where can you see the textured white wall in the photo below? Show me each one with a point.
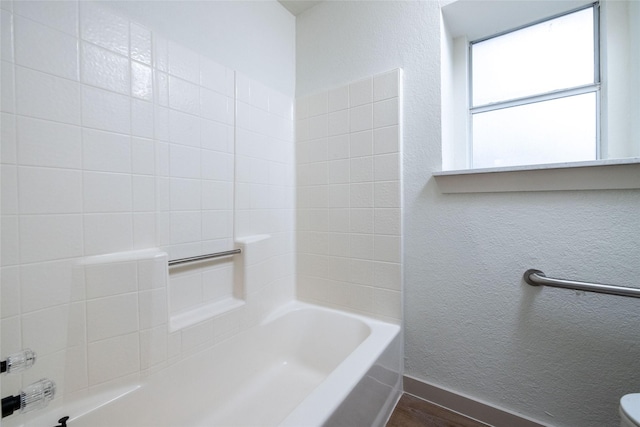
(472, 325)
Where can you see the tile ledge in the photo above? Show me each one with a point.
(615, 174)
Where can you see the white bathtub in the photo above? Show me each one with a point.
(303, 366)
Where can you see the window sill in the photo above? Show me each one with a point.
(594, 175)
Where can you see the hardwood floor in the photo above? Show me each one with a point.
(415, 412)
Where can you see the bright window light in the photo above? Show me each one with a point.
(535, 93)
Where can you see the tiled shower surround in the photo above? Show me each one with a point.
(116, 140)
(122, 149)
(349, 197)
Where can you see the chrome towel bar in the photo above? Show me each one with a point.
(536, 278)
(203, 257)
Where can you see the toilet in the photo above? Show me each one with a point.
(630, 410)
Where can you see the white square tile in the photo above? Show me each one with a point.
(153, 347)
(112, 316)
(387, 248)
(46, 330)
(186, 227)
(140, 43)
(302, 108)
(386, 140)
(106, 110)
(339, 99)
(106, 233)
(338, 196)
(113, 358)
(160, 52)
(143, 156)
(153, 308)
(319, 126)
(196, 337)
(385, 113)
(219, 166)
(338, 147)
(161, 123)
(217, 136)
(217, 195)
(6, 29)
(339, 123)
(361, 271)
(184, 63)
(110, 279)
(184, 129)
(161, 88)
(144, 230)
(338, 269)
(144, 193)
(8, 146)
(387, 275)
(186, 194)
(387, 194)
(141, 118)
(141, 81)
(8, 88)
(44, 49)
(338, 245)
(49, 237)
(302, 130)
(215, 106)
(388, 221)
(45, 143)
(387, 167)
(319, 104)
(50, 191)
(45, 285)
(361, 169)
(338, 172)
(361, 118)
(386, 85)
(9, 189)
(10, 240)
(361, 144)
(361, 92)
(387, 303)
(107, 192)
(361, 195)
(362, 221)
(184, 162)
(104, 69)
(106, 151)
(46, 96)
(10, 290)
(361, 246)
(61, 15)
(185, 290)
(104, 28)
(217, 225)
(184, 96)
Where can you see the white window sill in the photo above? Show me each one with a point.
(594, 175)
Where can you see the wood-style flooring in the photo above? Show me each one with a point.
(415, 412)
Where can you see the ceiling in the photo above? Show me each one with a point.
(296, 7)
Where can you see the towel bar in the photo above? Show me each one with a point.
(536, 278)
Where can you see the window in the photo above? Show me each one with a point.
(535, 93)
(538, 94)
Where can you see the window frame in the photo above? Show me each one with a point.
(594, 87)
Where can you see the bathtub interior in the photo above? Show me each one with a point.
(303, 361)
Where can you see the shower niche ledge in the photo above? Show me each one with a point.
(224, 280)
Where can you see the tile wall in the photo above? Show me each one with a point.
(349, 218)
(115, 140)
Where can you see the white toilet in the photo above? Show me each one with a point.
(630, 410)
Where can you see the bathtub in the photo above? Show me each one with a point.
(303, 366)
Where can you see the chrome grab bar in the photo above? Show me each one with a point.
(536, 278)
(203, 257)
